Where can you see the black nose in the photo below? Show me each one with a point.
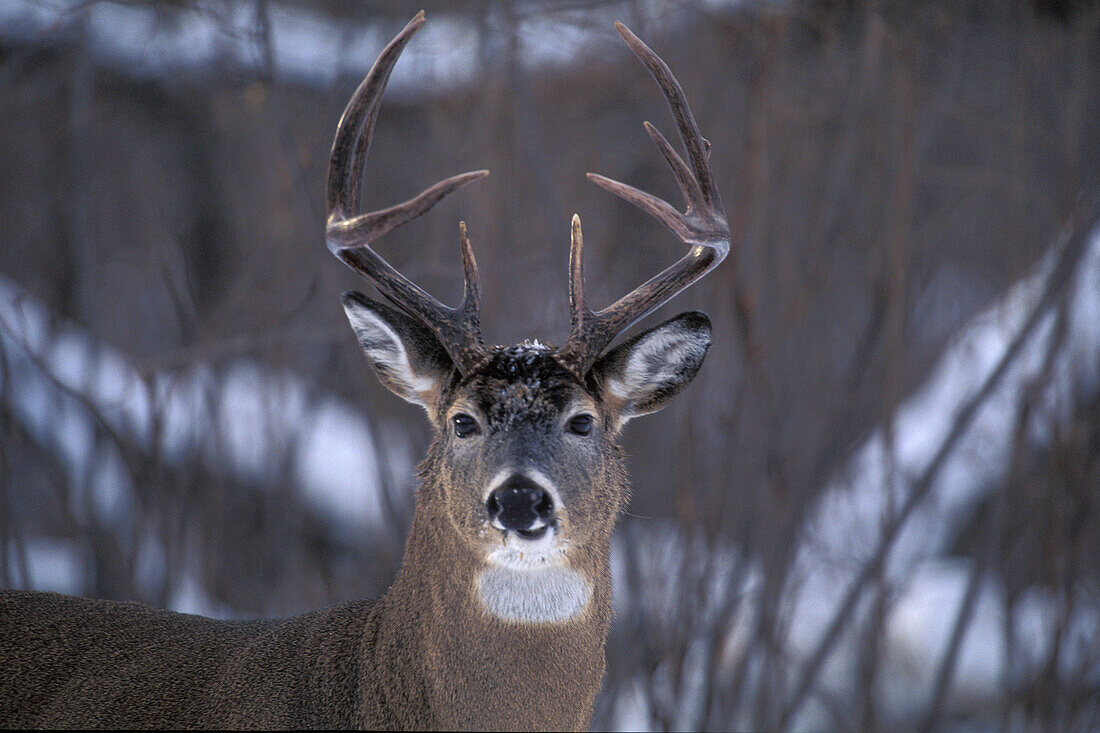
(522, 506)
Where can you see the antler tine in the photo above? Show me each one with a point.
(471, 290)
(580, 312)
(697, 146)
(349, 233)
(702, 225)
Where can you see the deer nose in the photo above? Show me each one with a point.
(521, 506)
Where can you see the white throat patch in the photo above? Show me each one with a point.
(546, 594)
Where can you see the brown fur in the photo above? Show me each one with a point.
(74, 663)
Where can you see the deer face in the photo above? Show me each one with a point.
(526, 455)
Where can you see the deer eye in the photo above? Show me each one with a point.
(464, 425)
(581, 424)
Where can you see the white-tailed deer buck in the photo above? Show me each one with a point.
(500, 611)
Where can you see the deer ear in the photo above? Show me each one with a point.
(643, 374)
(406, 356)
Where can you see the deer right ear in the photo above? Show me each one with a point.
(406, 356)
(644, 373)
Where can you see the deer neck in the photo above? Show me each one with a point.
(490, 646)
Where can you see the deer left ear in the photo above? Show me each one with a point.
(643, 374)
(406, 356)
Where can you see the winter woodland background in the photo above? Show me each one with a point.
(877, 507)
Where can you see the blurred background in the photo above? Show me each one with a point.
(877, 507)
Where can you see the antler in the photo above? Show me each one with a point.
(349, 233)
(702, 225)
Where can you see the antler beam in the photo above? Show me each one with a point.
(702, 225)
(349, 232)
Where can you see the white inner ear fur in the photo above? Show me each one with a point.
(385, 348)
(652, 363)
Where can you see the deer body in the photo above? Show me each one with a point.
(500, 611)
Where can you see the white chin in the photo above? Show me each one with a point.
(518, 553)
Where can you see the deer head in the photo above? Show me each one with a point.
(525, 472)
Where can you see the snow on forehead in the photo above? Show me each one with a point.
(516, 378)
(525, 361)
(525, 350)
(522, 384)
(527, 345)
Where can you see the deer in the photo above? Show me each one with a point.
(500, 610)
